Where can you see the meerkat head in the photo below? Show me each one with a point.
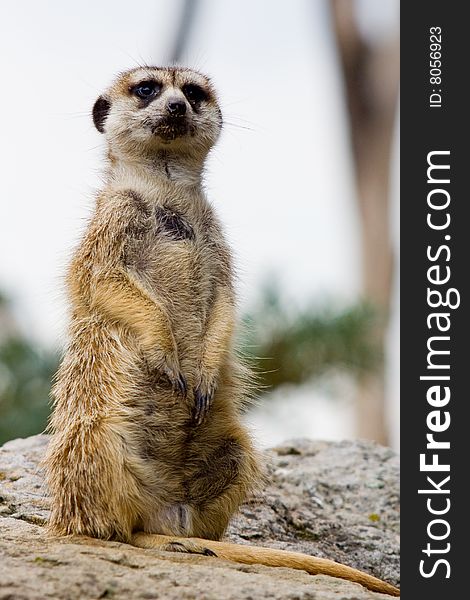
(151, 108)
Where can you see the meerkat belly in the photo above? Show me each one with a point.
(175, 262)
(182, 280)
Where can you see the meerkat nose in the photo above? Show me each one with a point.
(176, 107)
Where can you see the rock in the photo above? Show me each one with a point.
(336, 500)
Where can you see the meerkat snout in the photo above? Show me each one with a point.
(176, 107)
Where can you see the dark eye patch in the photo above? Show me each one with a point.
(146, 91)
(194, 93)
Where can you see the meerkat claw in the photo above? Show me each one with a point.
(188, 547)
(202, 405)
(177, 380)
(180, 385)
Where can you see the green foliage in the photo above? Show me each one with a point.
(25, 380)
(287, 345)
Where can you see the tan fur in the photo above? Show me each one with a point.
(146, 425)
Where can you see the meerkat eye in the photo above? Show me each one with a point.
(194, 93)
(146, 89)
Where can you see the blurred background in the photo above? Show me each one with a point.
(305, 179)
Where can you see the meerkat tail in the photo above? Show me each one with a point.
(256, 555)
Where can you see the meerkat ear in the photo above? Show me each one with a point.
(100, 112)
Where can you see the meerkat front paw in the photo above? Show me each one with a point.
(203, 398)
(169, 365)
(178, 382)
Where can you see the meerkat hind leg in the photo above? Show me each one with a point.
(188, 547)
(170, 543)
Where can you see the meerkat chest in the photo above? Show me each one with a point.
(171, 225)
(175, 247)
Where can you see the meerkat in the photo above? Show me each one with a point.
(148, 446)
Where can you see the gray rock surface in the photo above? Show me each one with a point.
(336, 500)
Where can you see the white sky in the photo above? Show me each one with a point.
(283, 187)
